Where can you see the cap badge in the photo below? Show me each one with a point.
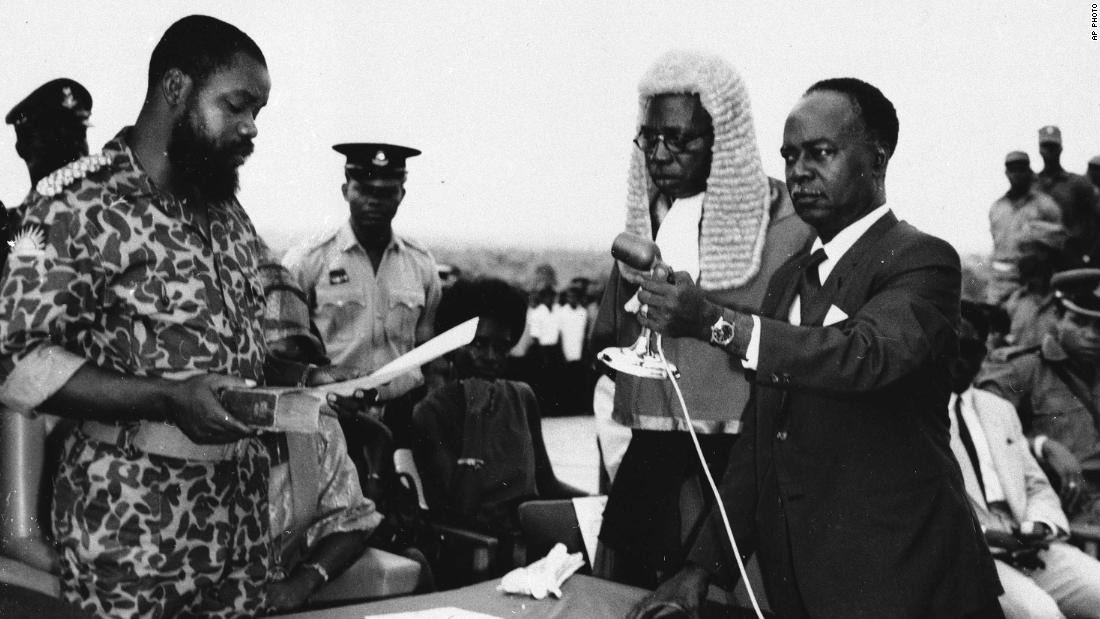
(380, 159)
(69, 102)
(29, 241)
(338, 276)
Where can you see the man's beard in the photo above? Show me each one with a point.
(199, 163)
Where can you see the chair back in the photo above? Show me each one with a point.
(545, 523)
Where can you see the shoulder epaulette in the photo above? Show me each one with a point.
(1008, 353)
(62, 177)
(415, 245)
(318, 239)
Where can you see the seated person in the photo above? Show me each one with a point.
(323, 524)
(478, 438)
(1019, 512)
(1054, 387)
(320, 519)
(1032, 306)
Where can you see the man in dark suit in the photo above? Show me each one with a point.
(844, 483)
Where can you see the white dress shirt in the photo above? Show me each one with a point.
(678, 240)
(678, 235)
(834, 251)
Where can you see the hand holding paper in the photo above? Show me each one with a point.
(294, 409)
(428, 351)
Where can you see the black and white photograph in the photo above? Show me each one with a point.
(471, 309)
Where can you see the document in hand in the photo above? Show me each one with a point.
(297, 409)
(434, 348)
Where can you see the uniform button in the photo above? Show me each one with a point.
(775, 378)
(781, 435)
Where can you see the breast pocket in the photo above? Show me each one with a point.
(338, 310)
(158, 299)
(161, 318)
(405, 307)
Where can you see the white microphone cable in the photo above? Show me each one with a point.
(710, 479)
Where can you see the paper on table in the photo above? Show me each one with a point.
(589, 518)
(435, 613)
(428, 351)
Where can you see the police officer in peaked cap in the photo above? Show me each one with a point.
(51, 126)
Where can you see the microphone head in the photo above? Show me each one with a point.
(639, 252)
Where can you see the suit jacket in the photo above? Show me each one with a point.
(844, 479)
(1027, 490)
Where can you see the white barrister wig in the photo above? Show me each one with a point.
(735, 205)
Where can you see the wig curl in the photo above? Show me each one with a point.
(735, 204)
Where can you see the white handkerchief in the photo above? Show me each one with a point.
(833, 316)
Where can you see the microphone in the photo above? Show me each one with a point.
(639, 253)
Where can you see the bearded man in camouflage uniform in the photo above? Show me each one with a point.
(131, 298)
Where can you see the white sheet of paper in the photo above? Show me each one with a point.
(428, 351)
(435, 613)
(589, 518)
(833, 316)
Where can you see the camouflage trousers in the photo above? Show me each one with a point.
(142, 535)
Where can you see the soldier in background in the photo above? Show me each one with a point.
(51, 130)
(51, 127)
(1032, 308)
(1055, 387)
(372, 293)
(1077, 198)
(1093, 172)
(1009, 220)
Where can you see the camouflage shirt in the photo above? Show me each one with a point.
(108, 269)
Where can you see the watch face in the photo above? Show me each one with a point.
(722, 332)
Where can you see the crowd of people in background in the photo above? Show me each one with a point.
(554, 355)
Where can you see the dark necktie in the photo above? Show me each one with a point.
(809, 288)
(968, 444)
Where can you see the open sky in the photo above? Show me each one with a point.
(525, 110)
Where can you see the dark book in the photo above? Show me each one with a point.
(275, 409)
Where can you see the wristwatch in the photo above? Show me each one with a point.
(721, 332)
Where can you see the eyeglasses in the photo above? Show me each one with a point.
(683, 143)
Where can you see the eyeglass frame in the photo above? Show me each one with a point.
(673, 147)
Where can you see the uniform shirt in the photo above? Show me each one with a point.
(1076, 197)
(108, 269)
(341, 506)
(1009, 221)
(1026, 377)
(1033, 316)
(368, 319)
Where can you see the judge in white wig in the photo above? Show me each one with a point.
(697, 187)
